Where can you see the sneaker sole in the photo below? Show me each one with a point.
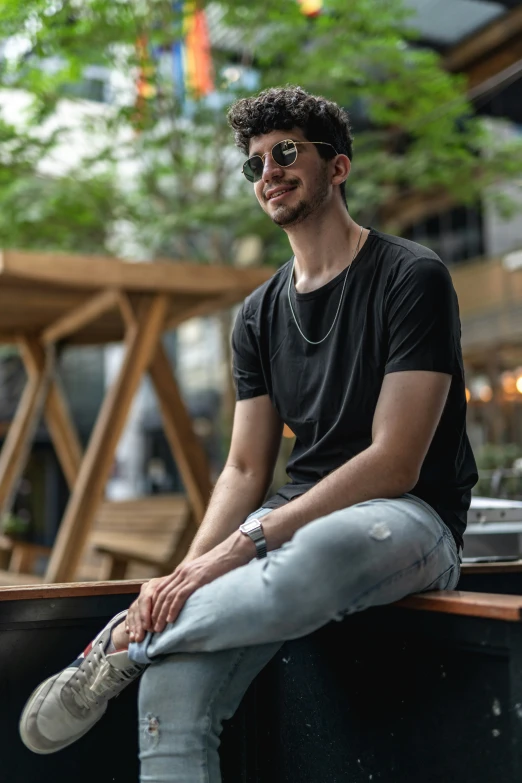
(25, 716)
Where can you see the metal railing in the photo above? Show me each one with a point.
(505, 483)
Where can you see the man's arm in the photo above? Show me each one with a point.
(247, 475)
(407, 414)
(240, 489)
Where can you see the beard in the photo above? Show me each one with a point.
(286, 216)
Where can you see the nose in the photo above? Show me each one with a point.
(271, 169)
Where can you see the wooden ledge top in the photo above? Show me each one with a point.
(69, 590)
(466, 604)
(489, 605)
(506, 567)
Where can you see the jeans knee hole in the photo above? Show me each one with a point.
(151, 729)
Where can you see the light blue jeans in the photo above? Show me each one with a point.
(201, 665)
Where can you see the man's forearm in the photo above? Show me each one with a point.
(235, 496)
(371, 474)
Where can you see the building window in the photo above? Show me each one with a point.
(456, 235)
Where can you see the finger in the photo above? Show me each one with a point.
(137, 632)
(135, 623)
(140, 634)
(131, 621)
(172, 606)
(159, 598)
(144, 615)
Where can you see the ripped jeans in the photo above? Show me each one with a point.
(201, 665)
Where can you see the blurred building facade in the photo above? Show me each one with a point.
(481, 246)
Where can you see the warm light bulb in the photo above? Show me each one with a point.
(485, 393)
(509, 383)
(519, 384)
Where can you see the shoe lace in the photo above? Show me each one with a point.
(95, 677)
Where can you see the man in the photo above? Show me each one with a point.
(355, 345)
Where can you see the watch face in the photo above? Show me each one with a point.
(250, 526)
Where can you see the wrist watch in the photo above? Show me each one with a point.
(254, 530)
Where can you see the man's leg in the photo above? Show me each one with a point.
(369, 554)
(65, 706)
(183, 701)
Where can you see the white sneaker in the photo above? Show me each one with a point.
(63, 708)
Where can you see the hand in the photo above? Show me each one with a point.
(161, 600)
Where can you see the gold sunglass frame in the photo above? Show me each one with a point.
(282, 165)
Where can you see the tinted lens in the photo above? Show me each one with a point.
(253, 168)
(284, 153)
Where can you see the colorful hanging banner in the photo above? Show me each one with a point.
(191, 55)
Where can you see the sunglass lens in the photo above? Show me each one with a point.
(253, 168)
(284, 153)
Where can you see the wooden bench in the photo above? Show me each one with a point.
(149, 535)
(154, 531)
(428, 689)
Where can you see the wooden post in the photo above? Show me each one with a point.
(63, 433)
(58, 419)
(141, 342)
(186, 449)
(17, 444)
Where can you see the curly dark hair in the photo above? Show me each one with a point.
(283, 108)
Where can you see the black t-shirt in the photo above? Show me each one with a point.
(399, 312)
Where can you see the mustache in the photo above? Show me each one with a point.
(287, 182)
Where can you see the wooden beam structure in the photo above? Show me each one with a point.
(185, 446)
(81, 316)
(16, 447)
(63, 433)
(46, 299)
(87, 272)
(56, 412)
(141, 342)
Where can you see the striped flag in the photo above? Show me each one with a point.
(191, 54)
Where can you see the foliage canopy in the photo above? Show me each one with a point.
(157, 174)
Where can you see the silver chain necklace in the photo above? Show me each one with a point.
(317, 342)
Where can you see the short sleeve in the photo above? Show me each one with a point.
(423, 319)
(247, 369)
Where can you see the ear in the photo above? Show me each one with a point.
(341, 170)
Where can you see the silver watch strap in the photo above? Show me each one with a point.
(261, 550)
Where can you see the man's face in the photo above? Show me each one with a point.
(290, 194)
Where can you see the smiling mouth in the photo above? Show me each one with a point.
(281, 193)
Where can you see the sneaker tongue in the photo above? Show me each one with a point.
(119, 660)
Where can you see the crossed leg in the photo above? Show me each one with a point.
(370, 554)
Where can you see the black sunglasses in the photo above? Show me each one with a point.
(284, 153)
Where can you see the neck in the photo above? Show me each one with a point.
(324, 247)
